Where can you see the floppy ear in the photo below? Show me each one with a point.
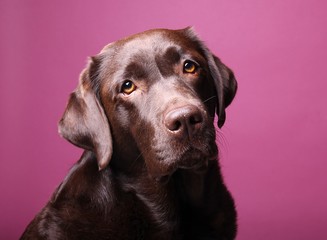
(223, 77)
(226, 86)
(84, 122)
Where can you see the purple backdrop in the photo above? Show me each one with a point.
(274, 154)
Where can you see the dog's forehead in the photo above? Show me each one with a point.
(151, 43)
(151, 53)
(147, 45)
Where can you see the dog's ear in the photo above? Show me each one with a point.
(84, 122)
(226, 87)
(223, 77)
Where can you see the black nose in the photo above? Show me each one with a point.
(186, 120)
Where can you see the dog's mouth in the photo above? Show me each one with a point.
(165, 153)
(194, 157)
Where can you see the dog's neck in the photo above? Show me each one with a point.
(159, 204)
(164, 199)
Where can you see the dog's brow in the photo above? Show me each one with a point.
(135, 70)
(166, 61)
(173, 55)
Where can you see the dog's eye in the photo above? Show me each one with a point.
(128, 87)
(189, 67)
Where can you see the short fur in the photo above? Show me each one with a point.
(150, 167)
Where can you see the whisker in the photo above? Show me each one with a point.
(135, 160)
(222, 142)
(209, 99)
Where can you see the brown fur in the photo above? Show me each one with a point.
(150, 167)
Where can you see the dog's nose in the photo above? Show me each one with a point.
(186, 120)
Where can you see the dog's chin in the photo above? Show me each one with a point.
(195, 160)
(192, 159)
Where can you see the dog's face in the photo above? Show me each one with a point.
(151, 98)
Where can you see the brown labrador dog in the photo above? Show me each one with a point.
(144, 111)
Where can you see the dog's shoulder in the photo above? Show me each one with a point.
(85, 183)
(83, 199)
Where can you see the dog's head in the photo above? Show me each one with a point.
(151, 99)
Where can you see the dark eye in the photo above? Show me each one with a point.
(189, 67)
(128, 87)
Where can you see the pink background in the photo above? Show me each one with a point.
(274, 144)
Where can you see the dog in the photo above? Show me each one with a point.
(144, 112)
